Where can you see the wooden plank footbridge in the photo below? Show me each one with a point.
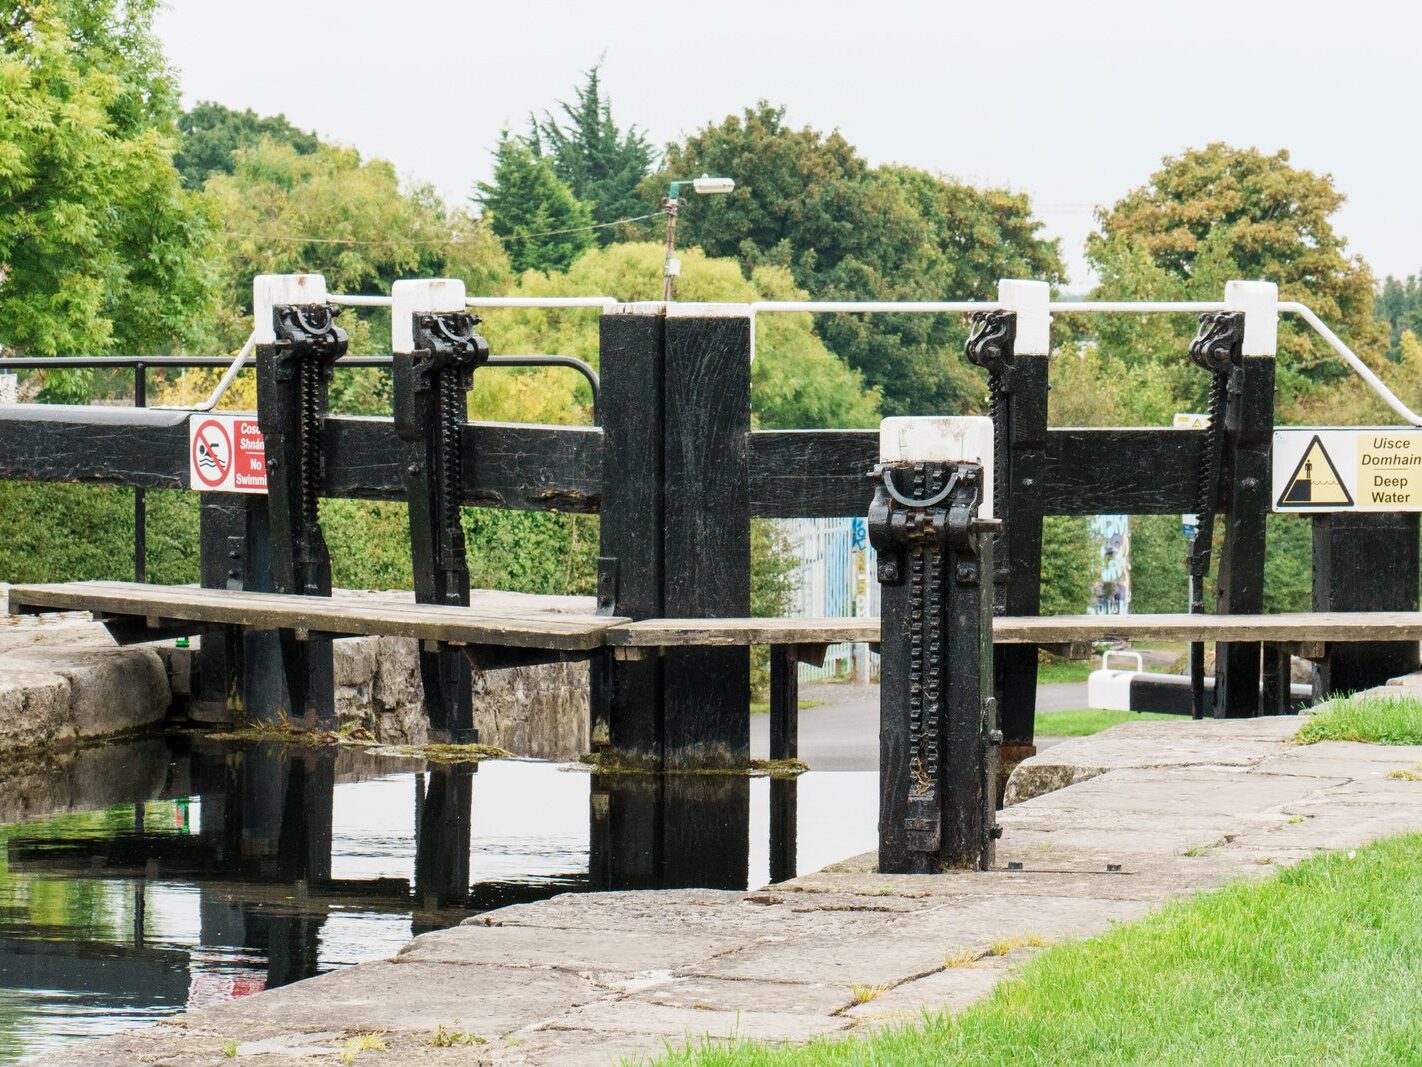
(675, 470)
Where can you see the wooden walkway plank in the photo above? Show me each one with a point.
(350, 616)
(360, 615)
(1044, 630)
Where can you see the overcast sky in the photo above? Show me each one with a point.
(1073, 103)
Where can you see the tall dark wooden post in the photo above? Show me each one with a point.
(220, 692)
(298, 342)
(938, 737)
(1365, 562)
(630, 569)
(675, 409)
(1249, 431)
(240, 670)
(1013, 346)
(436, 351)
(706, 540)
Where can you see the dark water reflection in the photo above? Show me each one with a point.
(137, 880)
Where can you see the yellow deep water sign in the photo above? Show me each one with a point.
(1353, 469)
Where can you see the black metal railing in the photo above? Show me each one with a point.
(140, 365)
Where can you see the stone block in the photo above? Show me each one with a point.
(34, 709)
(112, 690)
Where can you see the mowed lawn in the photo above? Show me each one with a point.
(1319, 964)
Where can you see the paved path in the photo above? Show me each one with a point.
(842, 732)
(589, 979)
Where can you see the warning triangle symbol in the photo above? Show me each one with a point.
(1315, 481)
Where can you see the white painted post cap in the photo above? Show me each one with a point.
(1031, 301)
(414, 296)
(941, 439)
(1260, 303)
(273, 290)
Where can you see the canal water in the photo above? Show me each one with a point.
(141, 879)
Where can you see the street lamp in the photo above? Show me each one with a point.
(703, 186)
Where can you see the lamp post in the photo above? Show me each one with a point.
(704, 186)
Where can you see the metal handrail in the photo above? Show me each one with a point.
(142, 363)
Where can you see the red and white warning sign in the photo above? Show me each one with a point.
(226, 454)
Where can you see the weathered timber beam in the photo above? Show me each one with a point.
(793, 473)
(811, 473)
(117, 446)
(508, 465)
(821, 473)
(1121, 471)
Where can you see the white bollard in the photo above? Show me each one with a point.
(1031, 301)
(274, 290)
(941, 439)
(1260, 303)
(415, 296)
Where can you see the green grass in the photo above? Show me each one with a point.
(1322, 963)
(1084, 721)
(1065, 670)
(1381, 720)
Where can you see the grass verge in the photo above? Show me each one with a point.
(1084, 721)
(1321, 963)
(1380, 720)
(1052, 669)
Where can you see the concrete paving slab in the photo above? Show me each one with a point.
(415, 996)
(1204, 791)
(734, 994)
(572, 950)
(684, 1025)
(567, 1048)
(1218, 742)
(951, 989)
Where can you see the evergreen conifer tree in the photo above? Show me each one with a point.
(542, 224)
(600, 163)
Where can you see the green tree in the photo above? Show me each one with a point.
(1399, 305)
(101, 250)
(284, 211)
(1220, 212)
(1070, 564)
(1159, 582)
(796, 382)
(807, 201)
(599, 162)
(212, 134)
(542, 224)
